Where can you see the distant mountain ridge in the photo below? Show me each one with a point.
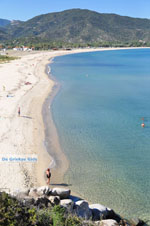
(78, 26)
(4, 22)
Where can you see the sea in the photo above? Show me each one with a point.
(103, 99)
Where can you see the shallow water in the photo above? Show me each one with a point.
(98, 114)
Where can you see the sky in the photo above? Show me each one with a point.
(27, 9)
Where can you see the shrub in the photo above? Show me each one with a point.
(13, 213)
(44, 217)
(58, 217)
(73, 221)
(6, 58)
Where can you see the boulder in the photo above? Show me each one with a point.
(33, 192)
(20, 194)
(82, 209)
(99, 211)
(41, 202)
(114, 216)
(44, 190)
(61, 192)
(54, 200)
(137, 222)
(68, 204)
(74, 198)
(108, 222)
(28, 201)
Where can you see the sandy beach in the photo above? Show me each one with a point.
(25, 84)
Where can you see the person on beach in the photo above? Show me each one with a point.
(48, 175)
(19, 111)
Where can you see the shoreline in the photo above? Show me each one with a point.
(59, 160)
(77, 184)
(27, 134)
(58, 171)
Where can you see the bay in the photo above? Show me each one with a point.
(98, 112)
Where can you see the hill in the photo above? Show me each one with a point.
(80, 26)
(3, 34)
(4, 22)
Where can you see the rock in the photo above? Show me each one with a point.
(82, 209)
(36, 192)
(28, 201)
(68, 204)
(88, 223)
(21, 194)
(125, 222)
(25, 192)
(109, 222)
(97, 223)
(54, 200)
(61, 192)
(33, 192)
(44, 190)
(99, 211)
(41, 202)
(74, 198)
(114, 216)
(137, 222)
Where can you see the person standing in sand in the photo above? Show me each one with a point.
(48, 175)
(19, 111)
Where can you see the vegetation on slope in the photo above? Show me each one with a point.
(4, 22)
(80, 26)
(14, 213)
(6, 58)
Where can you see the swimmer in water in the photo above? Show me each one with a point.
(143, 125)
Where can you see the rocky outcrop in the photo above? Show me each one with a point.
(68, 204)
(54, 200)
(28, 201)
(99, 211)
(82, 209)
(44, 197)
(102, 212)
(108, 223)
(44, 190)
(42, 202)
(138, 222)
(21, 194)
(61, 192)
(33, 192)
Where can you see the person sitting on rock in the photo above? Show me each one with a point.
(48, 175)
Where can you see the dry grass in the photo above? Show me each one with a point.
(4, 59)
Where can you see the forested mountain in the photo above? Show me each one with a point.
(79, 26)
(4, 22)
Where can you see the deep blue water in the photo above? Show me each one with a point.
(98, 113)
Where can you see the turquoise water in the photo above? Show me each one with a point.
(98, 114)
